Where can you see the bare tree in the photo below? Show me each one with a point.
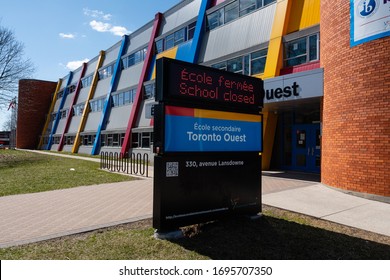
(13, 66)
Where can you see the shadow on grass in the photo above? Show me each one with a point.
(277, 239)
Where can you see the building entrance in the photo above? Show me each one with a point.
(306, 148)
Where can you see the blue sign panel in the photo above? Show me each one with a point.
(195, 130)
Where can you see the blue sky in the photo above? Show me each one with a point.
(59, 35)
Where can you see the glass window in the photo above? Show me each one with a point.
(109, 139)
(115, 140)
(160, 46)
(149, 91)
(78, 109)
(122, 138)
(126, 97)
(130, 60)
(296, 52)
(313, 47)
(215, 19)
(145, 139)
(302, 50)
(191, 30)
(60, 94)
(221, 66)
(87, 81)
(235, 65)
(115, 100)
(258, 60)
(247, 6)
(71, 88)
(91, 139)
(134, 140)
(106, 72)
(138, 57)
(266, 2)
(180, 36)
(121, 99)
(246, 65)
(231, 11)
(144, 53)
(169, 42)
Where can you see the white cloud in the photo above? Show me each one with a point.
(107, 27)
(97, 14)
(73, 65)
(67, 36)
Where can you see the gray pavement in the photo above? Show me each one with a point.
(35, 217)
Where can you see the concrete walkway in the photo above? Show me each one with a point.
(40, 216)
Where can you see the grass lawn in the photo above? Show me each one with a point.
(277, 235)
(27, 172)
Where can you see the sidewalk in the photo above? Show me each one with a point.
(317, 200)
(40, 216)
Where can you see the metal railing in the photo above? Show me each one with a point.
(129, 163)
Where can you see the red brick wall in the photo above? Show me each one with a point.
(33, 104)
(356, 108)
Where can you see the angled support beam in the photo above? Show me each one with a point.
(139, 95)
(70, 115)
(86, 110)
(107, 103)
(57, 119)
(274, 60)
(189, 52)
(53, 102)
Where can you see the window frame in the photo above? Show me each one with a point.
(307, 55)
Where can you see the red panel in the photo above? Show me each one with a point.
(179, 111)
(300, 68)
(138, 97)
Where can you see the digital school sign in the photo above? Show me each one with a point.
(211, 88)
(207, 139)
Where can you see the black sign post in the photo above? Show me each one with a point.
(207, 140)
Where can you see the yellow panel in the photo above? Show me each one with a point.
(274, 58)
(280, 18)
(304, 13)
(171, 53)
(226, 115)
(275, 49)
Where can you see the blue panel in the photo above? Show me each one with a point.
(58, 115)
(151, 68)
(107, 103)
(189, 52)
(184, 51)
(194, 134)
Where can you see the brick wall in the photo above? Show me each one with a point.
(356, 106)
(33, 104)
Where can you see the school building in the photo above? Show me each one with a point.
(326, 104)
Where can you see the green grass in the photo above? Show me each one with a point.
(26, 172)
(279, 234)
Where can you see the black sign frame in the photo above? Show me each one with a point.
(217, 85)
(193, 187)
